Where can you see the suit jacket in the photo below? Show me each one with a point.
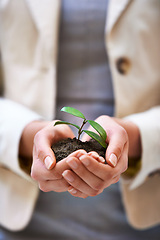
(28, 45)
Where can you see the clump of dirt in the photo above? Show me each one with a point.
(65, 147)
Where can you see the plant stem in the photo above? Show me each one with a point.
(80, 130)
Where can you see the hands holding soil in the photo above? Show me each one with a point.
(82, 174)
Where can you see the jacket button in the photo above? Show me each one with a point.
(123, 65)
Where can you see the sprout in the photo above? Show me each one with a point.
(101, 137)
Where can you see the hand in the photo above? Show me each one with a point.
(89, 176)
(92, 177)
(49, 178)
(117, 139)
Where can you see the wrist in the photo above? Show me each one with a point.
(135, 148)
(134, 136)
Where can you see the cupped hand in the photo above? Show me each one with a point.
(44, 169)
(117, 139)
(90, 177)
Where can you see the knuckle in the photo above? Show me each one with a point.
(81, 172)
(37, 137)
(116, 172)
(125, 164)
(93, 167)
(84, 196)
(94, 193)
(118, 150)
(98, 186)
(76, 184)
(108, 175)
(43, 187)
(125, 167)
(56, 174)
(34, 174)
(80, 195)
(40, 154)
(116, 179)
(67, 129)
(77, 153)
(124, 134)
(93, 154)
(102, 118)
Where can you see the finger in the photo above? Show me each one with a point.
(103, 171)
(92, 180)
(42, 149)
(96, 156)
(56, 186)
(76, 193)
(40, 173)
(117, 141)
(78, 153)
(93, 154)
(76, 182)
(112, 181)
(116, 179)
(122, 162)
(62, 165)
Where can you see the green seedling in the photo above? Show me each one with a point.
(101, 137)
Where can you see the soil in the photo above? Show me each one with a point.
(65, 147)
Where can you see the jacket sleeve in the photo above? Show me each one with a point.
(13, 118)
(149, 126)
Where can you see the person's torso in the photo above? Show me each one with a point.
(84, 79)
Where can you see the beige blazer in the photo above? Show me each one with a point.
(28, 46)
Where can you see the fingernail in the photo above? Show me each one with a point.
(68, 176)
(95, 155)
(72, 163)
(80, 153)
(113, 159)
(84, 160)
(72, 190)
(48, 162)
(101, 159)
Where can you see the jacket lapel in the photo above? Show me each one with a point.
(116, 8)
(45, 14)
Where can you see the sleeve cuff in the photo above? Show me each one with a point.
(14, 117)
(149, 126)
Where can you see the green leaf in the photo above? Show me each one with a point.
(96, 137)
(98, 128)
(63, 122)
(73, 111)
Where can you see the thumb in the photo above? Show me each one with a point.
(112, 160)
(46, 156)
(114, 150)
(43, 152)
(49, 161)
